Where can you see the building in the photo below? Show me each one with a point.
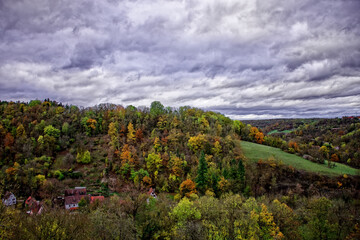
(35, 207)
(96, 198)
(9, 199)
(73, 197)
(151, 193)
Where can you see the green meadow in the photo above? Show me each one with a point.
(254, 152)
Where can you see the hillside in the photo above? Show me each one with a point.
(161, 173)
(255, 152)
(336, 139)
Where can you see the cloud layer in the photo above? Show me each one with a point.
(246, 59)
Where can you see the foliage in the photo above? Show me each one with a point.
(202, 177)
(122, 152)
(187, 188)
(51, 131)
(83, 157)
(254, 152)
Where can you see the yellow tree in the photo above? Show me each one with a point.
(114, 135)
(127, 156)
(131, 133)
(217, 148)
(157, 145)
(253, 132)
(197, 142)
(20, 131)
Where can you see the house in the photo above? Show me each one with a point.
(9, 199)
(35, 207)
(151, 193)
(96, 198)
(73, 197)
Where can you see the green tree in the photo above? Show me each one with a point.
(51, 131)
(153, 162)
(241, 175)
(202, 176)
(185, 211)
(156, 108)
(83, 157)
(319, 224)
(65, 128)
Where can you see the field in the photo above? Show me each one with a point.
(276, 131)
(254, 152)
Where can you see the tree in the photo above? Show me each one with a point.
(9, 140)
(187, 188)
(127, 156)
(153, 162)
(253, 132)
(91, 123)
(139, 135)
(319, 224)
(131, 133)
(259, 137)
(241, 174)
(217, 148)
(83, 157)
(156, 108)
(202, 178)
(65, 128)
(185, 211)
(157, 145)
(114, 136)
(197, 142)
(286, 219)
(51, 131)
(334, 158)
(20, 131)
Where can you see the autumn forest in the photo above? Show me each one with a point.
(210, 177)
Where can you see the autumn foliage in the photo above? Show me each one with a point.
(187, 188)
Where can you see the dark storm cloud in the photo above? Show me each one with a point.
(246, 59)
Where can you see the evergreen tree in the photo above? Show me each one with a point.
(201, 178)
(241, 175)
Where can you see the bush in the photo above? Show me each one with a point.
(84, 157)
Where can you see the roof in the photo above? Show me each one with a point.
(99, 198)
(35, 206)
(74, 199)
(29, 200)
(8, 194)
(151, 190)
(76, 191)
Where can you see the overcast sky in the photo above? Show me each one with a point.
(246, 59)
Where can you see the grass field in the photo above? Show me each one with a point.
(276, 131)
(254, 152)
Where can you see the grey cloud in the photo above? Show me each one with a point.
(242, 58)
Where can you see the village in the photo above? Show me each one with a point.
(71, 200)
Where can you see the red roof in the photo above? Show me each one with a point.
(28, 200)
(74, 199)
(151, 190)
(99, 198)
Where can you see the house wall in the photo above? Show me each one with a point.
(68, 206)
(10, 201)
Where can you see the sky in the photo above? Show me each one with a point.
(246, 59)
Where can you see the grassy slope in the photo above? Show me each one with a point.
(254, 152)
(276, 131)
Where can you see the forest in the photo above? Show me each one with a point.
(206, 170)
